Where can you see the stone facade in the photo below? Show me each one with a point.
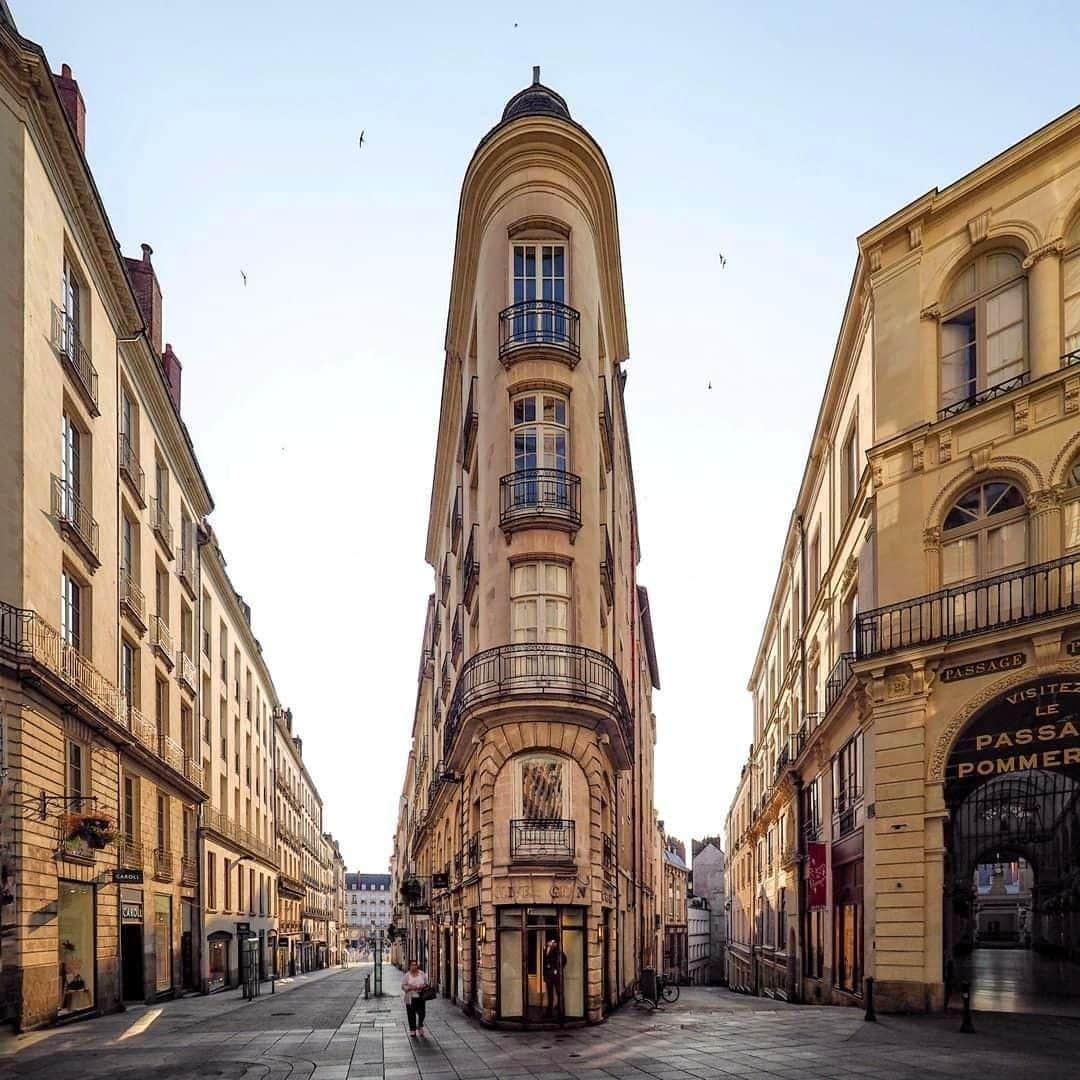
(527, 811)
(927, 600)
(709, 866)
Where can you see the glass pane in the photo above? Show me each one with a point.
(1005, 355)
(958, 357)
(509, 916)
(75, 928)
(1000, 267)
(542, 789)
(573, 975)
(964, 285)
(524, 579)
(549, 409)
(1000, 497)
(519, 260)
(959, 560)
(1006, 546)
(1072, 524)
(510, 1004)
(1004, 309)
(530, 409)
(965, 510)
(557, 579)
(519, 411)
(162, 942)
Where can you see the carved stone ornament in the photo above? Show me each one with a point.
(1072, 396)
(978, 227)
(944, 446)
(980, 459)
(1052, 247)
(914, 233)
(874, 256)
(850, 566)
(899, 685)
(931, 538)
(1021, 407)
(813, 649)
(931, 313)
(918, 449)
(1039, 502)
(877, 471)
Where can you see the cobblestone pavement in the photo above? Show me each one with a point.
(319, 1027)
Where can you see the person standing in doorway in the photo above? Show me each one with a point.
(414, 984)
(554, 962)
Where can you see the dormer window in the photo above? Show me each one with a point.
(983, 333)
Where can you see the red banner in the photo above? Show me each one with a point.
(816, 875)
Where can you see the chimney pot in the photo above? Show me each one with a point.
(147, 251)
(65, 70)
(72, 100)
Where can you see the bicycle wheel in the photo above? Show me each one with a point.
(670, 992)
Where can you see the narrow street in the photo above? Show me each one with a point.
(319, 1027)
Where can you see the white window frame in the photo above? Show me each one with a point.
(541, 596)
(538, 243)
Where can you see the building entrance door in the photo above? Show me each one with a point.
(541, 964)
(131, 962)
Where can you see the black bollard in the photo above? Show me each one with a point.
(871, 1015)
(966, 1026)
(367, 987)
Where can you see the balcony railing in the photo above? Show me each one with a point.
(456, 522)
(445, 579)
(838, 679)
(185, 671)
(291, 887)
(979, 397)
(470, 568)
(608, 857)
(845, 812)
(539, 323)
(607, 424)
(193, 771)
(607, 567)
(472, 853)
(1071, 358)
(469, 424)
(163, 864)
(535, 496)
(131, 854)
(217, 822)
(132, 599)
(26, 636)
(189, 872)
(171, 752)
(978, 607)
(75, 518)
(159, 522)
(801, 737)
(142, 728)
(538, 669)
(161, 639)
(185, 566)
(541, 838)
(130, 469)
(66, 341)
(457, 638)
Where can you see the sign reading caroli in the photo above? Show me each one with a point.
(1035, 726)
(1008, 662)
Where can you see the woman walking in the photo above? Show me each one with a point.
(414, 984)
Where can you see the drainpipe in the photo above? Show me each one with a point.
(800, 832)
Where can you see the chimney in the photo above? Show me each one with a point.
(171, 364)
(73, 103)
(147, 293)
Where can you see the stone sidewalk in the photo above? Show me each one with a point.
(323, 1029)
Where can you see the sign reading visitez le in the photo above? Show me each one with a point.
(1034, 726)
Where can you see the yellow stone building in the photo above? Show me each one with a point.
(917, 687)
(527, 808)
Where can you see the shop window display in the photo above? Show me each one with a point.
(75, 925)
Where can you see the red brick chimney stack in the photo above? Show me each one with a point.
(171, 364)
(73, 102)
(148, 294)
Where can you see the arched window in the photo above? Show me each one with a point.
(985, 533)
(1072, 507)
(983, 336)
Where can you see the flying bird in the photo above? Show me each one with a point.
(709, 387)
(723, 261)
(244, 276)
(361, 146)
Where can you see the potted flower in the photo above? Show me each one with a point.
(94, 830)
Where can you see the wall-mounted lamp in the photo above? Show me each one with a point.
(600, 932)
(481, 932)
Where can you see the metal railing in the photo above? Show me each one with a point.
(529, 494)
(189, 872)
(608, 856)
(845, 811)
(74, 515)
(217, 822)
(161, 638)
(130, 469)
(193, 771)
(185, 670)
(1070, 358)
(839, 677)
(164, 870)
(171, 752)
(472, 852)
(457, 639)
(538, 669)
(445, 579)
(977, 398)
(607, 567)
(66, 341)
(607, 424)
(185, 565)
(545, 323)
(456, 522)
(470, 568)
(131, 854)
(27, 636)
(142, 728)
(445, 681)
(131, 597)
(159, 522)
(541, 838)
(292, 887)
(470, 424)
(977, 607)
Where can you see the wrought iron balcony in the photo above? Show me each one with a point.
(542, 839)
(607, 567)
(131, 854)
(469, 425)
(470, 568)
(185, 671)
(539, 670)
(171, 752)
(159, 522)
(130, 469)
(977, 398)
(1071, 358)
(456, 522)
(608, 857)
(845, 812)
(185, 566)
(444, 580)
(841, 674)
(607, 424)
(69, 346)
(1020, 596)
(457, 631)
(132, 600)
(193, 771)
(161, 640)
(164, 870)
(75, 519)
(189, 872)
(290, 887)
(472, 852)
(550, 497)
(539, 324)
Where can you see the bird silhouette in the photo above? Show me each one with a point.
(709, 387)
(361, 146)
(244, 276)
(723, 261)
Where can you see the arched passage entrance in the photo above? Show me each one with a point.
(1011, 919)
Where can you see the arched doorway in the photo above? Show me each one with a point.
(1011, 918)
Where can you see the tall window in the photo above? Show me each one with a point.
(128, 545)
(71, 291)
(984, 533)
(540, 281)
(161, 707)
(848, 774)
(71, 615)
(1072, 507)
(540, 432)
(77, 780)
(211, 880)
(1071, 267)
(161, 487)
(162, 832)
(813, 563)
(128, 672)
(70, 461)
(161, 593)
(130, 815)
(982, 331)
(849, 464)
(543, 793)
(540, 602)
(127, 417)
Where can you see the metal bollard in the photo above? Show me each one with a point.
(871, 1015)
(367, 987)
(966, 1026)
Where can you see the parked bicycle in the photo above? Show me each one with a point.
(667, 991)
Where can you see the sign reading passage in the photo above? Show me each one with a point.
(1035, 726)
(1008, 662)
(816, 875)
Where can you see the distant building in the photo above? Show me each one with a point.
(698, 942)
(709, 868)
(676, 890)
(369, 906)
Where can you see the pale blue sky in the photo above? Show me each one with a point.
(225, 135)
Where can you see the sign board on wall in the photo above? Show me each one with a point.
(127, 876)
(816, 875)
(991, 666)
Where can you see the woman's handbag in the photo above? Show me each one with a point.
(429, 993)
